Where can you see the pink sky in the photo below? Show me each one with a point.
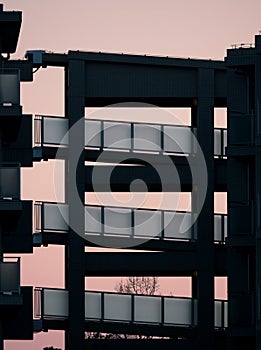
(203, 29)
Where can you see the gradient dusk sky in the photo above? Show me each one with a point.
(188, 28)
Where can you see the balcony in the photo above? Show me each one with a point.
(132, 223)
(125, 136)
(110, 307)
(10, 282)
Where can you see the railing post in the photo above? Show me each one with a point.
(42, 219)
(132, 308)
(42, 131)
(102, 306)
(162, 310)
(132, 223)
(132, 137)
(102, 134)
(162, 138)
(102, 221)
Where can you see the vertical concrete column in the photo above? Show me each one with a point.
(258, 188)
(240, 208)
(205, 223)
(75, 250)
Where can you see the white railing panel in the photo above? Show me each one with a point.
(117, 307)
(147, 309)
(92, 305)
(54, 217)
(93, 133)
(178, 139)
(117, 135)
(147, 223)
(93, 222)
(55, 303)
(117, 221)
(177, 225)
(54, 131)
(178, 311)
(147, 137)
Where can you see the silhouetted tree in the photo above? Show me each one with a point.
(138, 285)
(130, 285)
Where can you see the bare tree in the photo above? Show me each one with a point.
(130, 285)
(138, 285)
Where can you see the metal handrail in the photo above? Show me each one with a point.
(39, 220)
(39, 135)
(39, 308)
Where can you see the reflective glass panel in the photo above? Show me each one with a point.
(117, 307)
(117, 221)
(92, 305)
(178, 311)
(92, 133)
(54, 131)
(147, 309)
(55, 303)
(147, 137)
(93, 220)
(178, 139)
(147, 223)
(117, 135)
(55, 218)
(177, 225)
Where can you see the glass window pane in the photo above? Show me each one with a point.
(218, 313)
(178, 311)
(177, 225)
(225, 142)
(54, 131)
(55, 303)
(92, 305)
(178, 139)
(92, 133)
(225, 225)
(147, 137)
(117, 307)
(217, 142)
(93, 219)
(9, 277)
(147, 309)
(147, 223)
(225, 314)
(217, 228)
(53, 219)
(117, 221)
(9, 87)
(117, 135)
(9, 182)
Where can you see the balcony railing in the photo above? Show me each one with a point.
(10, 275)
(9, 181)
(126, 222)
(126, 136)
(127, 308)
